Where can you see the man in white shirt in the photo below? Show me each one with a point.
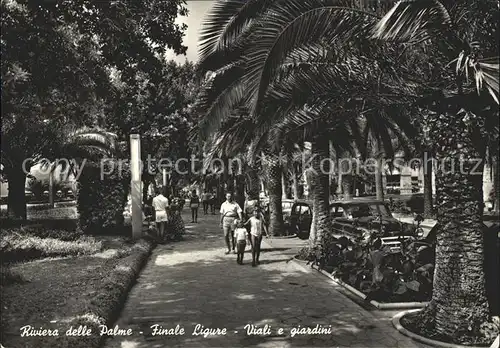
(160, 205)
(229, 211)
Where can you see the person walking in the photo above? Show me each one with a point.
(240, 234)
(229, 212)
(213, 199)
(205, 198)
(194, 204)
(256, 227)
(160, 206)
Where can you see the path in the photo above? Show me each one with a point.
(193, 282)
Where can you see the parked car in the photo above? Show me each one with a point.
(286, 206)
(299, 220)
(29, 195)
(372, 215)
(292, 214)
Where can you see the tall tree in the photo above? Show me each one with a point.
(56, 59)
(464, 37)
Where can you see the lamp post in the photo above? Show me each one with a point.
(135, 171)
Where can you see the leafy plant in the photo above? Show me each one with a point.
(376, 270)
(101, 201)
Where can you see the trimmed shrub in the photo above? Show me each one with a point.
(18, 247)
(102, 197)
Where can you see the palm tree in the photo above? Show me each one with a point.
(465, 35)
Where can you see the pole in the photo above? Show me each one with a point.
(51, 185)
(135, 169)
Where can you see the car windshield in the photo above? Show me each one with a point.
(372, 209)
(380, 209)
(287, 206)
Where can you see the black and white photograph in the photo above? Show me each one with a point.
(250, 173)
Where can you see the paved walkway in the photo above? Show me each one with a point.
(192, 282)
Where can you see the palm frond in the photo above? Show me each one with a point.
(220, 97)
(215, 23)
(293, 24)
(413, 21)
(486, 76)
(225, 29)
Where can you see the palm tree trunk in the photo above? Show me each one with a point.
(284, 188)
(295, 183)
(225, 176)
(346, 178)
(459, 304)
(239, 190)
(347, 186)
(331, 175)
(252, 183)
(339, 178)
(428, 208)
(496, 199)
(276, 226)
(320, 188)
(379, 184)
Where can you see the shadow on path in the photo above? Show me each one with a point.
(194, 285)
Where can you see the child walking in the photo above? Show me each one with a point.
(194, 203)
(256, 227)
(240, 234)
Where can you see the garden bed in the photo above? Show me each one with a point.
(36, 241)
(362, 296)
(410, 324)
(376, 274)
(57, 293)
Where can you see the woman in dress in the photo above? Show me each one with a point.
(176, 226)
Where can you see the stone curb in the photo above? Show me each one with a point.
(117, 287)
(396, 323)
(284, 237)
(356, 292)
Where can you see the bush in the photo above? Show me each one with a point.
(101, 201)
(380, 273)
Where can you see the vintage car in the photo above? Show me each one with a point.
(297, 215)
(286, 206)
(299, 220)
(374, 216)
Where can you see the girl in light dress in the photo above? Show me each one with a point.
(256, 228)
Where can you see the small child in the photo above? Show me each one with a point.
(240, 234)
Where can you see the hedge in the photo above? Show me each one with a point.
(102, 197)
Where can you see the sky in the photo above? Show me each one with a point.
(197, 11)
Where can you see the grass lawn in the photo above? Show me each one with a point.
(86, 283)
